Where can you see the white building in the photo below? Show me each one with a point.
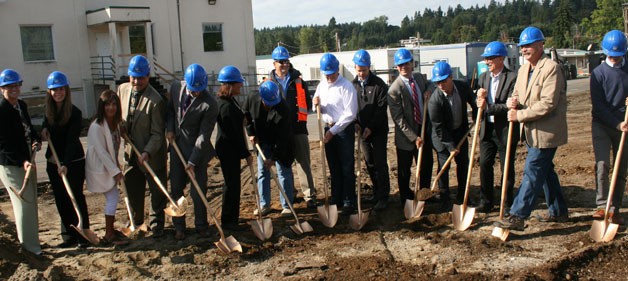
(91, 41)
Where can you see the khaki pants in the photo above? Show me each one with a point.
(26, 219)
(304, 170)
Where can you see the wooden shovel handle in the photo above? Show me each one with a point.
(616, 165)
(476, 131)
(506, 169)
(417, 175)
(451, 157)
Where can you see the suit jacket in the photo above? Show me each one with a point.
(542, 104)
(147, 127)
(401, 106)
(101, 163)
(194, 129)
(271, 127)
(499, 109)
(13, 147)
(66, 138)
(230, 139)
(372, 104)
(444, 135)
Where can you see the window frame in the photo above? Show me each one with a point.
(48, 49)
(212, 32)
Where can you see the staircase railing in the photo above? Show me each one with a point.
(103, 68)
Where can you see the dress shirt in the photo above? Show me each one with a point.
(607, 61)
(339, 103)
(406, 81)
(455, 103)
(490, 99)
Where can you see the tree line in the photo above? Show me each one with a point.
(565, 24)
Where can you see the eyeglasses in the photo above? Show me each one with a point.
(12, 86)
(491, 58)
(282, 61)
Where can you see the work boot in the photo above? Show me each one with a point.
(551, 218)
(512, 223)
(381, 204)
(599, 214)
(265, 211)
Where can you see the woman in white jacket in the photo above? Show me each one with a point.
(102, 170)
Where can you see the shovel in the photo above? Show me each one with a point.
(448, 162)
(262, 228)
(225, 244)
(357, 221)
(132, 230)
(298, 227)
(414, 208)
(604, 231)
(462, 215)
(328, 214)
(499, 232)
(174, 209)
(86, 233)
(25, 181)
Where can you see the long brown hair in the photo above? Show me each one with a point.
(106, 97)
(58, 116)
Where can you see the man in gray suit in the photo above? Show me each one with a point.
(190, 120)
(407, 98)
(144, 111)
(496, 84)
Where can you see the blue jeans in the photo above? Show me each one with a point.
(284, 174)
(539, 176)
(341, 160)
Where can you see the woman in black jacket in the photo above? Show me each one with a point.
(62, 127)
(231, 144)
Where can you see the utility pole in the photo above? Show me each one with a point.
(337, 42)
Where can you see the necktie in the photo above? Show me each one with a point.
(415, 98)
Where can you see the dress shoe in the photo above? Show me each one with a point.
(233, 227)
(179, 235)
(157, 231)
(381, 204)
(68, 244)
(311, 204)
(347, 209)
(445, 205)
(265, 211)
(484, 208)
(598, 214)
(286, 213)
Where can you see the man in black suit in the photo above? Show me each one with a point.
(190, 119)
(497, 85)
(448, 114)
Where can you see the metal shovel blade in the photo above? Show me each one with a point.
(603, 232)
(357, 221)
(178, 210)
(263, 229)
(301, 228)
(328, 214)
(462, 219)
(426, 193)
(500, 233)
(88, 234)
(133, 232)
(413, 209)
(228, 245)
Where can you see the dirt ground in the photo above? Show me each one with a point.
(387, 248)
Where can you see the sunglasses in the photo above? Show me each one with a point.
(282, 61)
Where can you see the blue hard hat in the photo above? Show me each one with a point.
(329, 64)
(57, 79)
(280, 53)
(195, 77)
(441, 71)
(139, 67)
(269, 92)
(614, 43)
(530, 35)
(8, 77)
(230, 74)
(362, 58)
(495, 49)
(402, 56)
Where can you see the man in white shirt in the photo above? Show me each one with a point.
(497, 85)
(339, 106)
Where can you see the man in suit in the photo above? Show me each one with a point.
(497, 85)
(448, 114)
(539, 101)
(190, 119)
(373, 122)
(144, 113)
(407, 98)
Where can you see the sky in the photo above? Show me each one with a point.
(272, 13)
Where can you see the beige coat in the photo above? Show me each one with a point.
(100, 160)
(543, 104)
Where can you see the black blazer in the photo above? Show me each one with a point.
(66, 138)
(444, 135)
(499, 109)
(372, 104)
(271, 127)
(13, 147)
(230, 140)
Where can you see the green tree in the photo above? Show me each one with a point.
(307, 40)
(562, 25)
(607, 16)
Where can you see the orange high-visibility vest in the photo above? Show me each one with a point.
(301, 101)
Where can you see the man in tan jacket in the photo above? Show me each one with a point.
(539, 103)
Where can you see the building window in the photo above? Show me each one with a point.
(137, 38)
(37, 43)
(212, 37)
